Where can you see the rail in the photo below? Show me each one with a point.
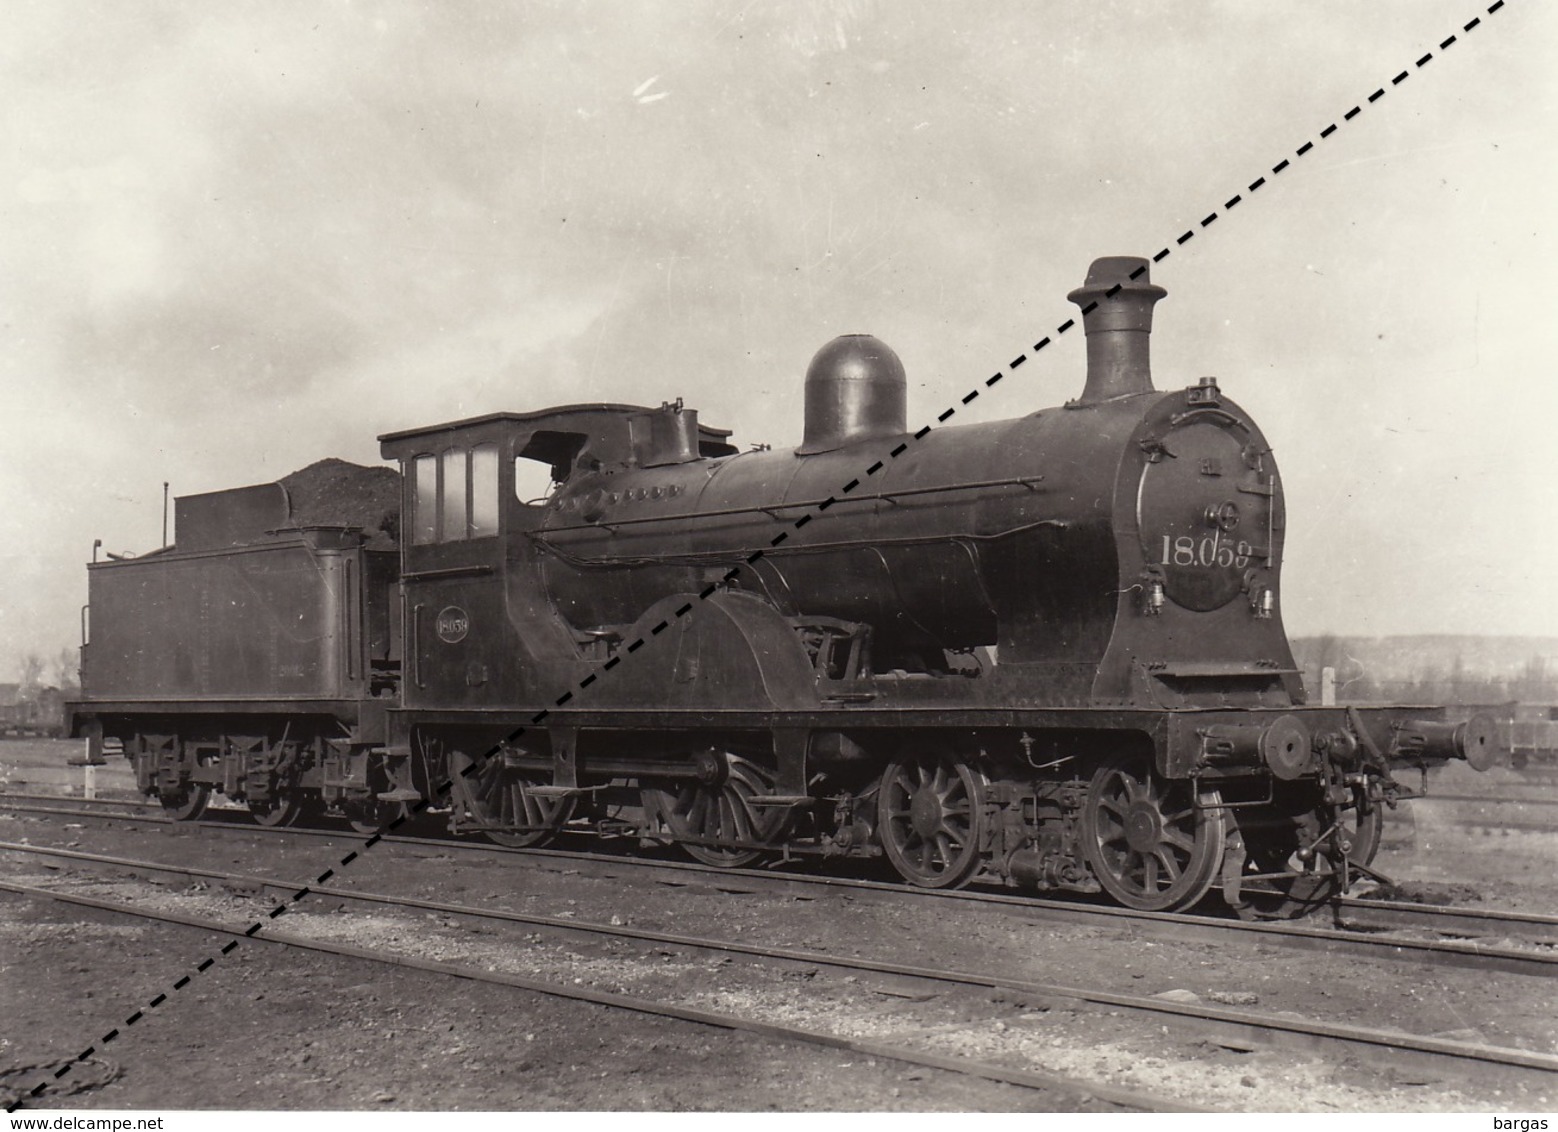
(1360, 934)
(1285, 1031)
(1025, 1078)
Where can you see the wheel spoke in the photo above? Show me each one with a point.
(1135, 869)
(1149, 866)
(698, 812)
(741, 819)
(1171, 868)
(1105, 820)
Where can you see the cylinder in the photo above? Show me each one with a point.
(1117, 319)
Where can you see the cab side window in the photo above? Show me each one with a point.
(484, 491)
(454, 494)
(424, 501)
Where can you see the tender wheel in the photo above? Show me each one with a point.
(496, 795)
(930, 815)
(1293, 850)
(188, 804)
(283, 810)
(718, 811)
(1149, 844)
(370, 817)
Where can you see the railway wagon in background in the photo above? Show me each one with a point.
(1045, 651)
(31, 711)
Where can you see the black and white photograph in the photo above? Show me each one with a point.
(742, 557)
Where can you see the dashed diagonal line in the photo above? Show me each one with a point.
(445, 787)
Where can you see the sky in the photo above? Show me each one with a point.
(239, 238)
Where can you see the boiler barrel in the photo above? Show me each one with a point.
(968, 525)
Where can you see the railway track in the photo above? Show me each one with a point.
(1491, 800)
(1230, 1025)
(1456, 922)
(1506, 826)
(10, 796)
(67, 804)
(972, 1067)
(1496, 814)
(1468, 937)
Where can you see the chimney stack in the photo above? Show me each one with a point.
(1117, 319)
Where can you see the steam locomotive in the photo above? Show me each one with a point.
(1045, 651)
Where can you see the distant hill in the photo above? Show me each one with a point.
(1443, 668)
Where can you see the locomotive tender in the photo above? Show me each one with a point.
(1046, 650)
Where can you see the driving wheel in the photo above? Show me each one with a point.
(714, 818)
(503, 800)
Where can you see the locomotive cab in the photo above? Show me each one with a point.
(477, 630)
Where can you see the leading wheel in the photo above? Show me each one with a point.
(930, 816)
(716, 822)
(1150, 842)
(1295, 849)
(188, 803)
(501, 799)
